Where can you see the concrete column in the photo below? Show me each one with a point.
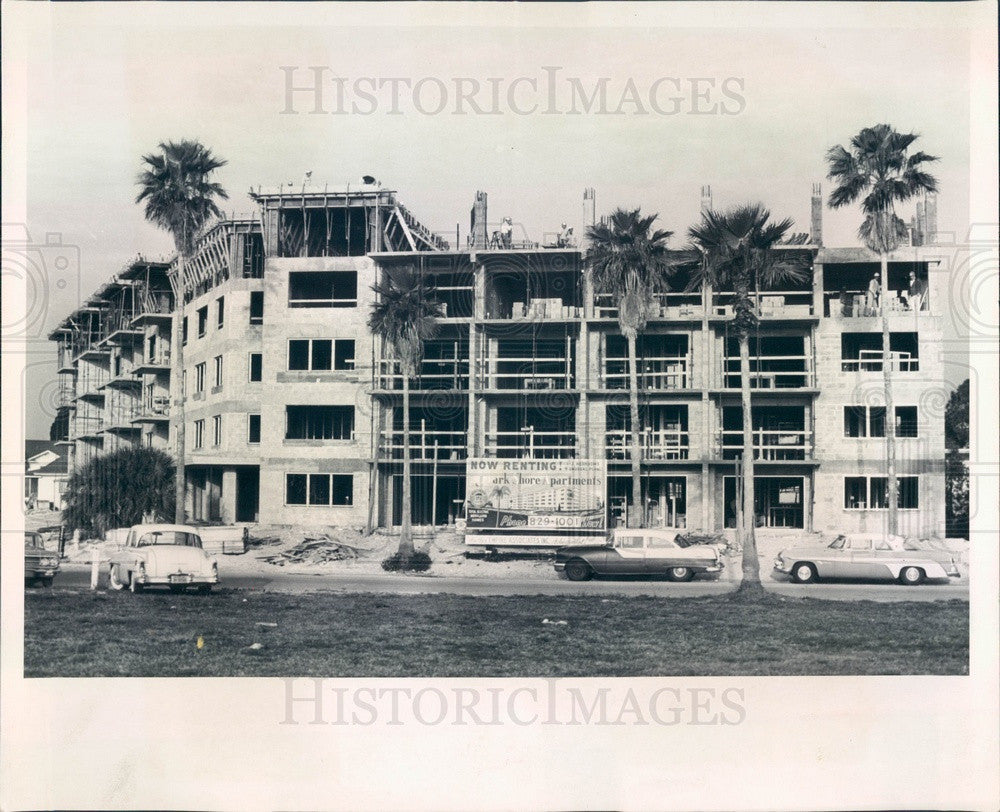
(227, 499)
(478, 227)
(818, 288)
(706, 199)
(272, 221)
(816, 216)
(930, 213)
(589, 212)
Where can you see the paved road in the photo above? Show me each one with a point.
(78, 576)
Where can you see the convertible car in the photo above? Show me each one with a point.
(162, 555)
(40, 565)
(866, 555)
(639, 552)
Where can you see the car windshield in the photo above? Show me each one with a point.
(661, 541)
(172, 537)
(33, 539)
(837, 543)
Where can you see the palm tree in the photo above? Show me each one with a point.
(404, 316)
(877, 170)
(737, 254)
(180, 198)
(629, 261)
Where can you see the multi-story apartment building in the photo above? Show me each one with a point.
(293, 411)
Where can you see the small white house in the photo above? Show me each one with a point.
(45, 474)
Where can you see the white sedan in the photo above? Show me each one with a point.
(168, 555)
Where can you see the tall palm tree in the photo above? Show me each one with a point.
(404, 316)
(180, 198)
(629, 261)
(876, 169)
(737, 255)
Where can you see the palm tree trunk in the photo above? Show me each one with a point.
(177, 376)
(890, 417)
(750, 585)
(406, 526)
(637, 515)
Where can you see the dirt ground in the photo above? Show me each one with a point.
(447, 551)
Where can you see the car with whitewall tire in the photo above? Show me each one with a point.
(867, 556)
(169, 555)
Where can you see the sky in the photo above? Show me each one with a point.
(104, 89)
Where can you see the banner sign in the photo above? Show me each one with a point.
(533, 499)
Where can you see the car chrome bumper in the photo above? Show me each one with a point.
(560, 566)
(41, 573)
(164, 580)
(781, 566)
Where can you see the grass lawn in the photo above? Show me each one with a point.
(110, 634)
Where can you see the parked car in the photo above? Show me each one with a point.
(638, 552)
(866, 555)
(168, 555)
(40, 565)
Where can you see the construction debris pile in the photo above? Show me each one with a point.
(316, 550)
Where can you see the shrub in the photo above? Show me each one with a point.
(419, 562)
(119, 489)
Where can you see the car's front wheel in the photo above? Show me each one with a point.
(911, 576)
(803, 573)
(114, 579)
(578, 570)
(680, 573)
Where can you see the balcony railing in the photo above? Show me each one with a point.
(85, 427)
(773, 304)
(153, 303)
(664, 372)
(153, 408)
(425, 445)
(769, 372)
(90, 381)
(769, 444)
(527, 443)
(120, 414)
(654, 444)
(525, 374)
(434, 374)
(664, 306)
(871, 361)
(855, 304)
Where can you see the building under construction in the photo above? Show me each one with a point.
(293, 412)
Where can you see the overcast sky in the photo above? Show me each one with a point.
(104, 91)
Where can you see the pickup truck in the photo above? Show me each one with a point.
(639, 552)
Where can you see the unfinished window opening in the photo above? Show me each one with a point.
(862, 352)
(319, 422)
(326, 232)
(534, 364)
(662, 362)
(538, 294)
(534, 433)
(778, 501)
(324, 490)
(776, 362)
(256, 364)
(253, 429)
(202, 321)
(220, 312)
(779, 433)
(872, 493)
(320, 354)
(906, 421)
(323, 289)
(663, 432)
(445, 365)
(257, 307)
(664, 497)
(846, 288)
(434, 434)
(253, 256)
